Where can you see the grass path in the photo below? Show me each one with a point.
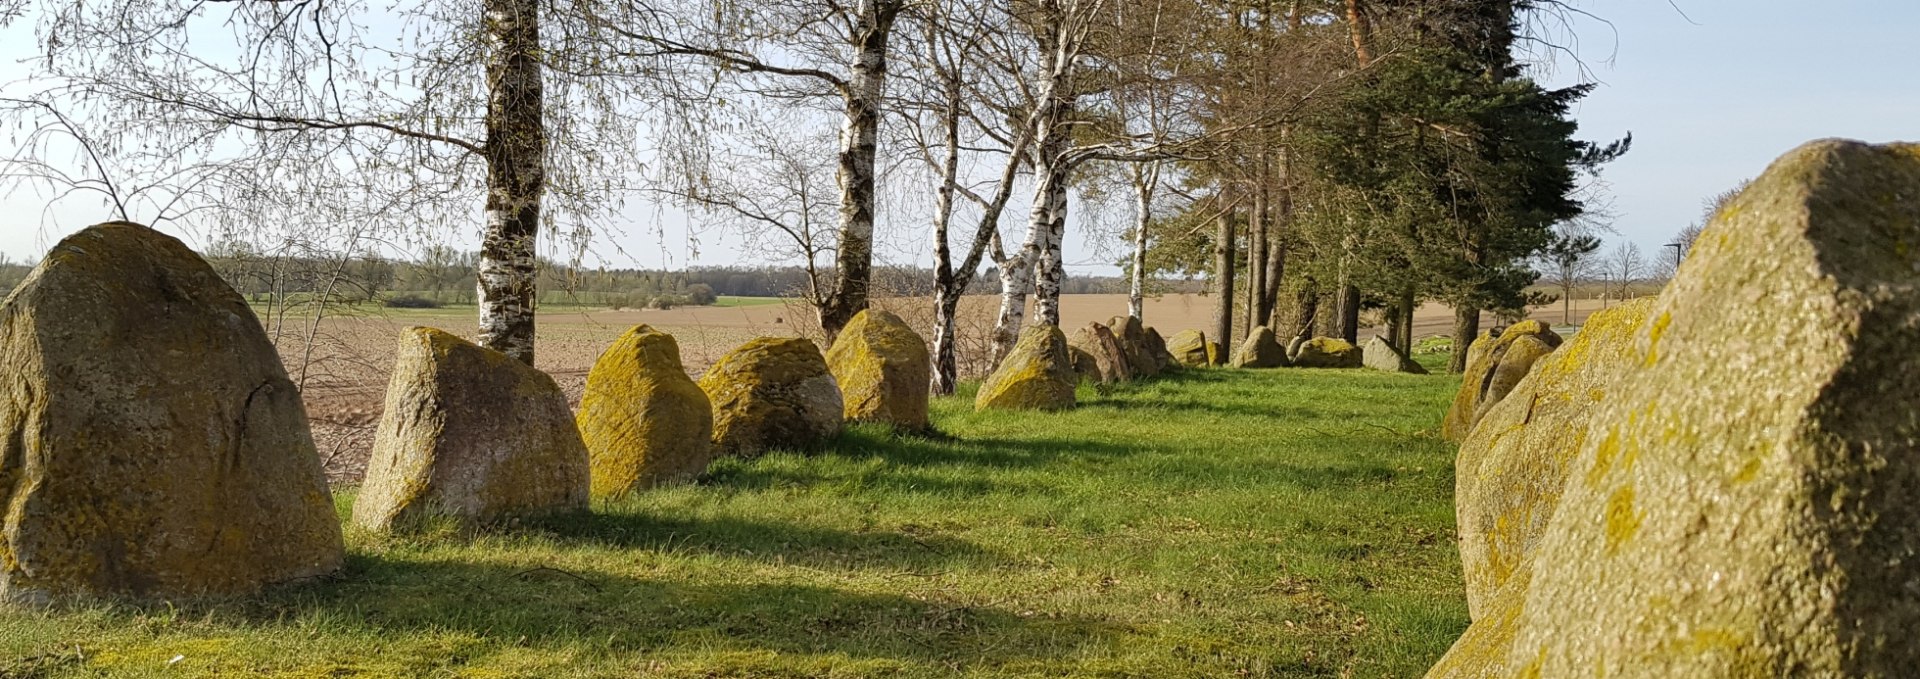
(1214, 524)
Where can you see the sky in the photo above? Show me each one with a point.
(1711, 90)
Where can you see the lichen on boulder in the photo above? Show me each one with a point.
(1511, 469)
(1327, 352)
(1107, 361)
(151, 443)
(1491, 372)
(1743, 501)
(472, 436)
(1035, 375)
(883, 370)
(773, 392)
(1261, 350)
(1379, 354)
(1189, 348)
(642, 418)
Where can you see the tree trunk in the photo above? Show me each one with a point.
(1407, 303)
(1257, 308)
(1282, 220)
(859, 133)
(1223, 279)
(947, 287)
(1566, 304)
(1466, 327)
(1348, 324)
(1050, 270)
(1306, 309)
(516, 148)
(946, 369)
(1143, 186)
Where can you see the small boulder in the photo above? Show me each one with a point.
(1133, 338)
(772, 392)
(472, 435)
(1157, 350)
(1035, 375)
(643, 420)
(1216, 354)
(1189, 348)
(1510, 470)
(1379, 354)
(1107, 361)
(1491, 372)
(151, 444)
(883, 370)
(1293, 346)
(1327, 352)
(1261, 350)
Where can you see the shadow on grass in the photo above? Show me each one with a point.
(530, 604)
(778, 542)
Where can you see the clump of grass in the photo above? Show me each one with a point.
(1214, 523)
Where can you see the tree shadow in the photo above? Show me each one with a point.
(907, 549)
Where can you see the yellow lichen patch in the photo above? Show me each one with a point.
(644, 422)
(1036, 375)
(1653, 337)
(1623, 520)
(772, 392)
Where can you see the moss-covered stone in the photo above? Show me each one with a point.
(1261, 350)
(883, 370)
(1327, 352)
(1491, 373)
(1744, 503)
(1107, 361)
(469, 435)
(1379, 354)
(643, 420)
(1035, 375)
(151, 444)
(1156, 348)
(773, 392)
(1216, 354)
(1133, 339)
(1512, 467)
(1189, 348)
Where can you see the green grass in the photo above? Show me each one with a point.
(732, 301)
(1217, 523)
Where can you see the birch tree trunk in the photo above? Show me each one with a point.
(515, 147)
(1281, 203)
(859, 134)
(1144, 181)
(1257, 234)
(1050, 269)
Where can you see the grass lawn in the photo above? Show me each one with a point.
(1214, 524)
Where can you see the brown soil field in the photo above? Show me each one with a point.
(343, 362)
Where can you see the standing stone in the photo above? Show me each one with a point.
(1035, 375)
(1133, 338)
(1293, 346)
(1327, 352)
(1261, 350)
(1512, 467)
(1156, 348)
(773, 392)
(643, 420)
(883, 370)
(1189, 348)
(1108, 360)
(472, 435)
(153, 446)
(1216, 354)
(1744, 503)
(1491, 372)
(1379, 354)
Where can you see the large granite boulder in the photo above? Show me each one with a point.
(1494, 365)
(642, 418)
(1156, 348)
(1379, 354)
(1133, 339)
(1106, 360)
(773, 392)
(1189, 349)
(1261, 350)
(1510, 470)
(469, 435)
(883, 370)
(1327, 352)
(1036, 375)
(151, 444)
(1744, 501)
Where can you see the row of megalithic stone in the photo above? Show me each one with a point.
(1722, 481)
(154, 446)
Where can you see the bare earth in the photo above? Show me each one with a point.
(344, 362)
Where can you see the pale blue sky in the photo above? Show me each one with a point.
(1710, 97)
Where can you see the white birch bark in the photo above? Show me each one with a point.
(1145, 178)
(515, 150)
(859, 134)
